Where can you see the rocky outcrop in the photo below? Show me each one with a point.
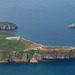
(33, 60)
(71, 26)
(7, 25)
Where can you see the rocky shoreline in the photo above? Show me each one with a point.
(14, 56)
(7, 25)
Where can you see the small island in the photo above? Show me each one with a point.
(72, 26)
(17, 49)
(7, 25)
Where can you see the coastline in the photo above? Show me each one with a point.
(30, 51)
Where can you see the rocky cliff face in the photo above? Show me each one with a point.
(13, 56)
(7, 27)
(35, 57)
(57, 55)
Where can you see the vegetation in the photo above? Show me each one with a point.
(41, 52)
(12, 45)
(32, 51)
(23, 49)
(4, 34)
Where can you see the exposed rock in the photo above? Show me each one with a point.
(18, 57)
(8, 25)
(24, 57)
(33, 60)
(57, 55)
(71, 26)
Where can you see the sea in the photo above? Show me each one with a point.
(44, 21)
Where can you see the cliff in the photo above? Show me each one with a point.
(7, 25)
(37, 56)
(23, 50)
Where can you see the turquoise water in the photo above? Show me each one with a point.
(43, 21)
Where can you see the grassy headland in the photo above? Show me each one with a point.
(25, 50)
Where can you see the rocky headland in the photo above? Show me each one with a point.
(18, 49)
(7, 25)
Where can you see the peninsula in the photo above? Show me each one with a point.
(18, 49)
(7, 25)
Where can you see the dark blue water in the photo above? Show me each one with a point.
(43, 21)
(55, 67)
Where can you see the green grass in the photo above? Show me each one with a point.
(11, 45)
(4, 34)
(30, 52)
